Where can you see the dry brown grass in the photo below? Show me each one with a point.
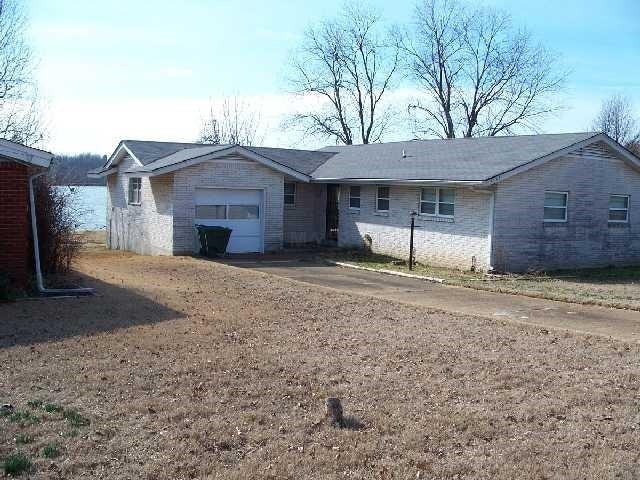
(191, 369)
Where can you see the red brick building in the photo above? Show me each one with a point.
(17, 164)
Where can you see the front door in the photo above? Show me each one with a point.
(333, 196)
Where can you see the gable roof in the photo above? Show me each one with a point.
(22, 154)
(474, 161)
(459, 159)
(160, 157)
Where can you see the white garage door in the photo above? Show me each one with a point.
(240, 210)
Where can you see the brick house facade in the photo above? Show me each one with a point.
(483, 203)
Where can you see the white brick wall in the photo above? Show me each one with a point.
(230, 172)
(144, 228)
(437, 241)
(523, 241)
(305, 222)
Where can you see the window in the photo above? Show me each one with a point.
(382, 199)
(227, 212)
(135, 187)
(289, 193)
(619, 208)
(243, 212)
(354, 197)
(211, 212)
(555, 206)
(437, 201)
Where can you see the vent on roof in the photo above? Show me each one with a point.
(404, 154)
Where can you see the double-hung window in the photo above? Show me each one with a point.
(619, 208)
(289, 193)
(555, 206)
(354, 196)
(382, 199)
(135, 187)
(438, 202)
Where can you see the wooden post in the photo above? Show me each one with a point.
(413, 221)
(334, 411)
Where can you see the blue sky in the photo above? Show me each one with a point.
(141, 69)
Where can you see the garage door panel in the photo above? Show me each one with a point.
(239, 210)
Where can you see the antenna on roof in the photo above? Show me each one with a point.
(404, 155)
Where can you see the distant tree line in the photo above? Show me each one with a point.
(72, 169)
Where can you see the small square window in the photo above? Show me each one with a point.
(135, 189)
(619, 208)
(555, 206)
(382, 199)
(289, 193)
(354, 196)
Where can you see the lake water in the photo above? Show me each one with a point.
(91, 204)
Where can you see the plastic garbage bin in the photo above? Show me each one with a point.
(213, 240)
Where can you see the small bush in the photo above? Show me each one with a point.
(58, 219)
(16, 463)
(51, 450)
(22, 439)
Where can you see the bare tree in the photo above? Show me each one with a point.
(616, 119)
(20, 118)
(480, 76)
(236, 124)
(348, 64)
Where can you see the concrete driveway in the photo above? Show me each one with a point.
(608, 322)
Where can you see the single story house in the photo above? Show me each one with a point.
(17, 164)
(507, 203)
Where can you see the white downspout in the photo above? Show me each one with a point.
(36, 251)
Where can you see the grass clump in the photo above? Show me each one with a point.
(51, 450)
(16, 463)
(23, 417)
(23, 439)
(35, 403)
(75, 419)
(53, 408)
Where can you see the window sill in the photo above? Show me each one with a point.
(134, 204)
(354, 211)
(551, 223)
(289, 205)
(435, 218)
(381, 214)
(615, 224)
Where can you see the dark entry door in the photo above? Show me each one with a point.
(333, 196)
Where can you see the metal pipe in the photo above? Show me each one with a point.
(413, 223)
(36, 251)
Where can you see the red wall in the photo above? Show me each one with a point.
(15, 258)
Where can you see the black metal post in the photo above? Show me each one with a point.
(411, 243)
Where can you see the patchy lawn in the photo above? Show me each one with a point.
(184, 368)
(611, 287)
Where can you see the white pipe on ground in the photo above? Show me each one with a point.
(36, 251)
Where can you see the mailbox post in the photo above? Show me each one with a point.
(413, 223)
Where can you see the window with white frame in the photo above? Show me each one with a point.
(135, 187)
(382, 199)
(354, 196)
(439, 202)
(619, 208)
(555, 206)
(289, 193)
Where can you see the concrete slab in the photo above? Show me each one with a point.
(594, 320)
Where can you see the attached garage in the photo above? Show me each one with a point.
(241, 210)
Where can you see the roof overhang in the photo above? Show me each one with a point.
(622, 152)
(150, 170)
(101, 173)
(395, 181)
(25, 155)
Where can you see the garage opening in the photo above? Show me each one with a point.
(241, 210)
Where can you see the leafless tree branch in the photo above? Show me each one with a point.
(616, 119)
(236, 124)
(349, 65)
(479, 75)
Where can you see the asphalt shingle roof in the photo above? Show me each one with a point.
(459, 159)
(462, 159)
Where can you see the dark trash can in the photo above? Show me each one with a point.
(213, 240)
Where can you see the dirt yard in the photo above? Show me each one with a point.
(184, 368)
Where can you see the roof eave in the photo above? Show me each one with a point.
(400, 181)
(102, 173)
